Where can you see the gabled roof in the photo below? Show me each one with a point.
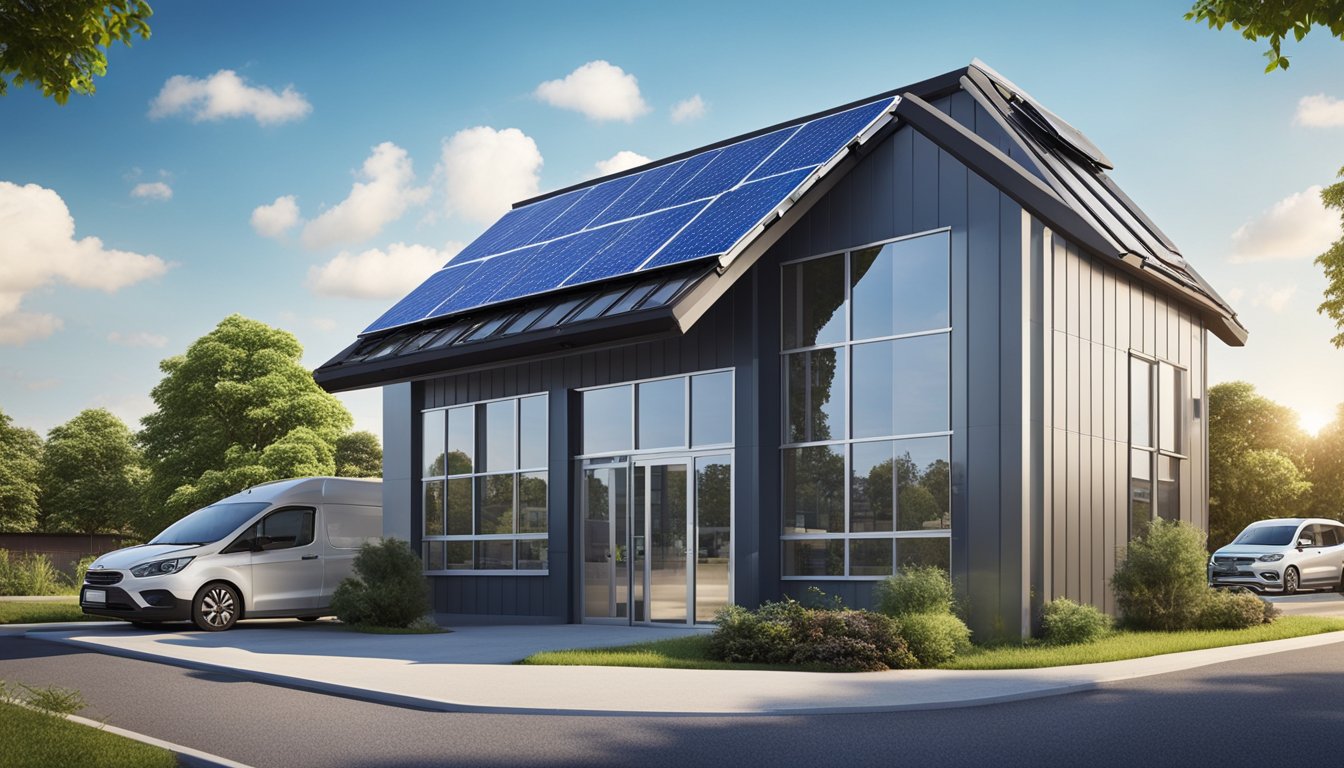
(647, 251)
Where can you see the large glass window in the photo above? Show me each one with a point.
(1157, 452)
(485, 508)
(867, 410)
(653, 415)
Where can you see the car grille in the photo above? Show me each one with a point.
(1229, 560)
(102, 578)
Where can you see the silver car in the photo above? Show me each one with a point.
(1282, 555)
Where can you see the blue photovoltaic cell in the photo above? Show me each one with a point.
(585, 210)
(556, 261)
(730, 167)
(419, 302)
(493, 274)
(646, 184)
(638, 242)
(690, 168)
(728, 218)
(525, 223)
(820, 140)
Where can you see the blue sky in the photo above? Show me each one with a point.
(360, 113)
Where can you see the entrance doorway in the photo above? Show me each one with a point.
(657, 539)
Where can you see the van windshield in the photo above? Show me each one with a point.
(210, 524)
(1268, 535)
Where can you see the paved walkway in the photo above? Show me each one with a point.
(469, 670)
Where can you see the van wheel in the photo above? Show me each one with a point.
(215, 608)
(1290, 580)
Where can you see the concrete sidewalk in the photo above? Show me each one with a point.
(468, 670)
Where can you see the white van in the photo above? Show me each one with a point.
(275, 550)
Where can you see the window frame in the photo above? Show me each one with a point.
(1154, 451)
(846, 443)
(475, 477)
(689, 446)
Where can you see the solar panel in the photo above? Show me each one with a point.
(694, 208)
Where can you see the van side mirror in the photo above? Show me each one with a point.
(1303, 542)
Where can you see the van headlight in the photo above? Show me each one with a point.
(1274, 558)
(161, 567)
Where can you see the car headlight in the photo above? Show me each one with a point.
(161, 567)
(1270, 558)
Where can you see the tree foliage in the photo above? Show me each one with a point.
(1257, 461)
(91, 475)
(1271, 19)
(1327, 470)
(61, 45)
(359, 454)
(236, 410)
(20, 453)
(1332, 261)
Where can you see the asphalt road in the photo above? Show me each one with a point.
(1282, 709)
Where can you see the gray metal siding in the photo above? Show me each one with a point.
(1095, 316)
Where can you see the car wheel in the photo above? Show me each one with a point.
(216, 607)
(307, 618)
(1290, 580)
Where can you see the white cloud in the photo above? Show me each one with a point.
(686, 110)
(138, 339)
(38, 247)
(1320, 111)
(372, 204)
(152, 190)
(1274, 299)
(1297, 227)
(377, 274)
(225, 94)
(598, 89)
(277, 218)
(621, 161)
(485, 171)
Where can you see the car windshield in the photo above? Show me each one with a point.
(210, 524)
(1268, 535)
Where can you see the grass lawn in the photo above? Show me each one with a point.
(30, 738)
(1134, 645)
(41, 613)
(690, 652)
(674, 653)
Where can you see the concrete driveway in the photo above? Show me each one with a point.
(1311, 604)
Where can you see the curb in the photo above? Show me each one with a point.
(438, 705)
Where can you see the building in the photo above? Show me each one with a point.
(925, 327)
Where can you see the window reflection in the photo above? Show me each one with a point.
(814, 302)
(608, 419)
(712, 409)
(814, 490)
(902, 387)
(816, 396)
(662, 414)
(901, 287)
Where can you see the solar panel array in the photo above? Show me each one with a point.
(695, 208)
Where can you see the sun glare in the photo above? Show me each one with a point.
(1312, 422)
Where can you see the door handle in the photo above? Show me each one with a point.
(310, 557)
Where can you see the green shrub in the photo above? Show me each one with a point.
(1233, 610)
(934, 638)
(820, 638)
(81, 569)
(1064, 622)
(1161, 582)
(915, 590)
(387, 589)
(29, 575)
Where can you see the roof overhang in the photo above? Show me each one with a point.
(1041, 201)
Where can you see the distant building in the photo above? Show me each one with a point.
(921, 328)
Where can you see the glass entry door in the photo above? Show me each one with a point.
(657, 540)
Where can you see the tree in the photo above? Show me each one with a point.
(1327, 470)
(236, 410)
(91, 475)
(1272, 19)
(1257, 459)
(61, 45)
(359, 454)
(20, 453)
(1332, 261)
